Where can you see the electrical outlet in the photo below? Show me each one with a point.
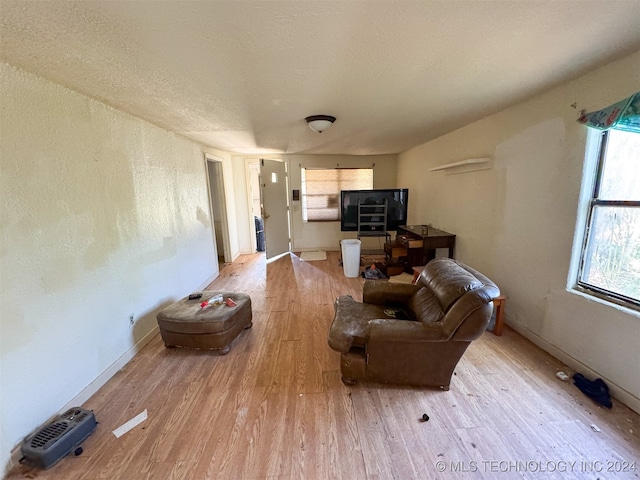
(131, 320)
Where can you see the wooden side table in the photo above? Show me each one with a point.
(416, 273)
(431, 238)
(498, 303)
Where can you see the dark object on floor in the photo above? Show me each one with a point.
(259, 224)
(596, 389)
(58, 438)
(425, 417)
(373, 273)
(398, 314)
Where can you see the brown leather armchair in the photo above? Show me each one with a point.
(412, 334)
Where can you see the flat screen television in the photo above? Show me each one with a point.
(397, 200)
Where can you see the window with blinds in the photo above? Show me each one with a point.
(321, 190)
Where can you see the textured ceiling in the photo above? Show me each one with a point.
(242, 75)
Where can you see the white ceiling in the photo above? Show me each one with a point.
(242, 75)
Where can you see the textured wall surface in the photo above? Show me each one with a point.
(102, 215)
(516, 221)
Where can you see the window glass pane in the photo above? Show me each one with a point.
(621, 176)
(612, 256)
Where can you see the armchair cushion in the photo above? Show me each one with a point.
(385, 293)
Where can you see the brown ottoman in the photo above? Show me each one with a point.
(214, 327)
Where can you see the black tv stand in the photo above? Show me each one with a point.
(372, 220)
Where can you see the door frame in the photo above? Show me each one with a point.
(285, 164)
(252, 224)
(216, 165)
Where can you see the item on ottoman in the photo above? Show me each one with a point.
(186, 324)
(432, 325)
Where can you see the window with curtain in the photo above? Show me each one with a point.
(321, 190)
(610, 255)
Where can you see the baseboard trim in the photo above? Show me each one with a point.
(616, 391)
(95, 385)
(115, 367)
(105, 376)
(14, 460)
(208, 281)
(319, 249)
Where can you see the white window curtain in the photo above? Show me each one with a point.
(321, 190)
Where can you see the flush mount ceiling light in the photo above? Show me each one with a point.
(319, 123)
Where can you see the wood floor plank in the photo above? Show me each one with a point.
(274, 407)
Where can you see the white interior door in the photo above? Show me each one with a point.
(275, 208)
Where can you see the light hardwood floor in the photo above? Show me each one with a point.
(275, 407)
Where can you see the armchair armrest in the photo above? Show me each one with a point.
(390, 330)
(350, 325)
(385, 293)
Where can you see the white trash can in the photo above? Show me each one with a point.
(350, 257)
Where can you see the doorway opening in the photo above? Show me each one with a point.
(274, 184)
(218, 209)
(268, 205)
(255, 206)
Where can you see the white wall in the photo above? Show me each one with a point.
(102, 215)
(516, 221)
